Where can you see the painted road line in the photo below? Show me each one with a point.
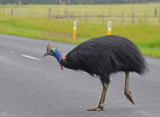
(30, 57)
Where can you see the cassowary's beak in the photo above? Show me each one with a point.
(45, 54)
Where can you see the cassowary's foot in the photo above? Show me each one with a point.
(99, 108)
(129, 96)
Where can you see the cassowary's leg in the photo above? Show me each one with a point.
(127, 92)
(102, 100)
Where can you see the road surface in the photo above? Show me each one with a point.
(32, 88)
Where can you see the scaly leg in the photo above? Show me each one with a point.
(102, 100)
(127, 92)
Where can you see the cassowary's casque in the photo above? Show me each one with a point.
(102, 56)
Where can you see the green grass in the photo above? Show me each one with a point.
(146, 37)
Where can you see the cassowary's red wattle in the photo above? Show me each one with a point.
(103, 56)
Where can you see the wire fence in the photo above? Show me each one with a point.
(125, 17)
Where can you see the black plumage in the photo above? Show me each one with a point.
(102, 56)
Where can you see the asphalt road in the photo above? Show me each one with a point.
(32, 88)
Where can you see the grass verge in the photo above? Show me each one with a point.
(146, 37)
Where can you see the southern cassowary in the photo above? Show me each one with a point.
(102, 56)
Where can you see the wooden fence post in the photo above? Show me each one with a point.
(69, 16)
(86, 17)
(102, 17)
(145, 16)
(58, 13)
(155, 12)
(159, 20)
(80, 16)
(12, 12)
(159, 17)
(122, 18)
(50, 13)
(94, 17)
(112, 17)
(133, 16)
(73, 16)
(65, 13)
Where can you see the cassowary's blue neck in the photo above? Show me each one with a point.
(59, 57)
(57, 54)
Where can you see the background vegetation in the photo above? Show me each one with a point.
(124, 14)
(75, 1)
(145, 36)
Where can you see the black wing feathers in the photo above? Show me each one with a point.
(105, 55)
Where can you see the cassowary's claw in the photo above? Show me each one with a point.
(95, 109)
(129, 96)
(99, 108)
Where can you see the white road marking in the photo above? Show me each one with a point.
(31, 57)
